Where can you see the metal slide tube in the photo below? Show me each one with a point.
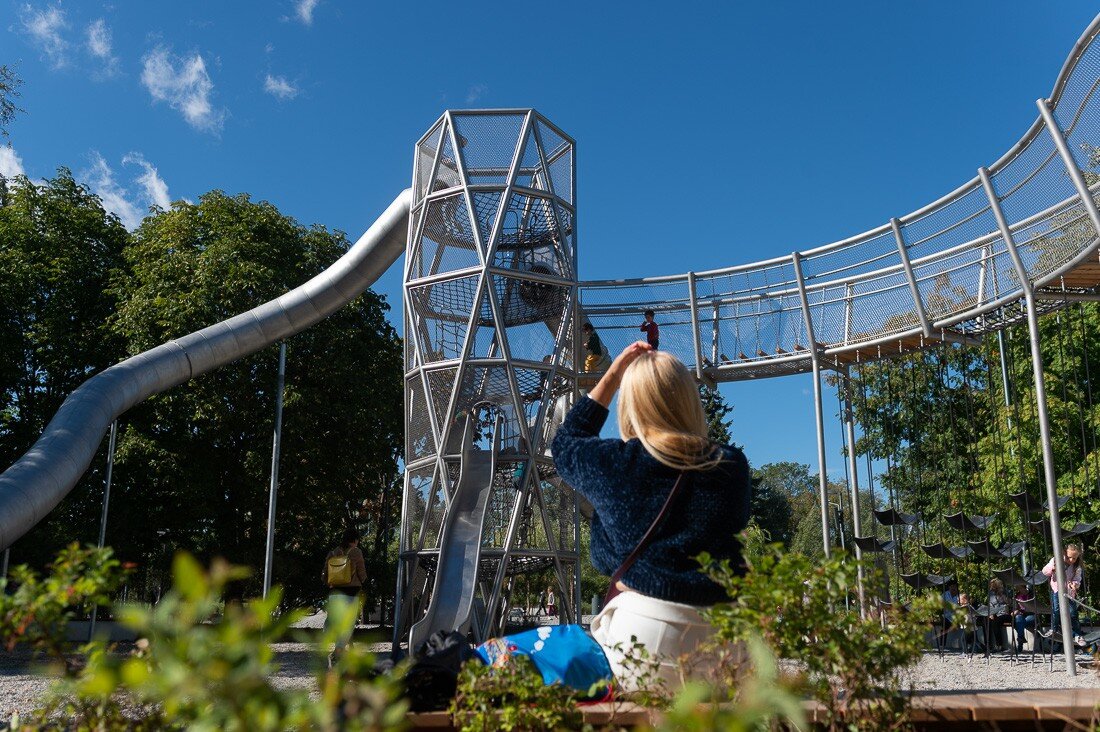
(44, 475)
(823, 479)
(1044, 418)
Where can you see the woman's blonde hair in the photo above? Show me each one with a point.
(659, 404)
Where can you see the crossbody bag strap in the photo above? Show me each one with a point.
(613, 590)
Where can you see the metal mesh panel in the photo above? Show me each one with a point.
(559, 156)
(526, 302)
(868, 253)
(443, 309)
(418, 484)
(530, 239)
(1032, 181)
(507, 481)
(488, 145)
(436, 509)
(960, 220)
(418, 433)
(882, 305)
(1082, 81)
(486, 208)
(950, 284)
(531, 173)
(1045, 246)
(440, 385)
(425, 159)
(447, 241)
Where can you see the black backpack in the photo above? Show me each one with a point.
(432, 680)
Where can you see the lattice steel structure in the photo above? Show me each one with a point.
(490, 297)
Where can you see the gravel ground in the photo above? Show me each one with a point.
(21, 687)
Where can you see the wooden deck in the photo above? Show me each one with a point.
(1010, 709)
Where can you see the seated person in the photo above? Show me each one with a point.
(998, 615)
(950, 599)
(965, 621)
(1021, 618)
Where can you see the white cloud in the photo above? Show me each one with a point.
(153, 186)
(11, 164)
(45, 27)
(280, 88)
(184, 84)
(475, 92)
(129, 203)
(98, 41)
(116, 199)
(304, 9)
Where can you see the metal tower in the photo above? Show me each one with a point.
(490, 297)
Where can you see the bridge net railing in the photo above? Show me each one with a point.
(751, 320)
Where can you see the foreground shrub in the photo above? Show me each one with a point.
(797, 606)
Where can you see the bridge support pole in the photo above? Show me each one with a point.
(815, 361)
(853, 485)
(1044, 417)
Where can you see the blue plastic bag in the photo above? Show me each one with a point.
(563, 654)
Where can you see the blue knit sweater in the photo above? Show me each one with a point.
(627, 487)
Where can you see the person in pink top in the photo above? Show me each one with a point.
(651, 329)
(1075, 574)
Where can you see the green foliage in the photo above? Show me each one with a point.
(763, 700)
(57, 249)
(9, 92)
(194, 461)
(717, 411)
(202, 663)
(37, 611)
(796, 606)
(511, 697)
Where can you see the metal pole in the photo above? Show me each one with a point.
(1044, 418)
(695, 327)
(276, 444)
(908, 267)
(102, 516)
(815, 362)
(853, 484)
(1071, 165)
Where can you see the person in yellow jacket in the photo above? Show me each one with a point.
(595, 353)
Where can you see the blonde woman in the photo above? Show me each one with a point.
(1075, 575)
(628, 480)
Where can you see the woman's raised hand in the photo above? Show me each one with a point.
(609, 384)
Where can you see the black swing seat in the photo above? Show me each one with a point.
(1026, 503)
(890, 517)
(1009, 577)
(871, 544)
(963, 522)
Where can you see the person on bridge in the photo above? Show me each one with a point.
(664, 457)
(651, 329)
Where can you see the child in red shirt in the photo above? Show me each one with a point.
(651, 329)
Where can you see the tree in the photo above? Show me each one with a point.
(193, 462)
(9, 92)
(58, 248)
(717, 412)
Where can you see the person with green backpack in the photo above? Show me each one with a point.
(345, 572)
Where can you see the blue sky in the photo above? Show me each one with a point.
(709, 134)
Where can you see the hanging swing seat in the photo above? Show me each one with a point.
(1043, 526)
(1026, 503)
(871, 544)
(985, 548)
(1038, 578)
(1062, 500)
(939, 550)
(962, 522)
(1032, 607)
(1009, 577)
(890, 517)
(922, 581)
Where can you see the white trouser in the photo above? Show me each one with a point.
(668, 630)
